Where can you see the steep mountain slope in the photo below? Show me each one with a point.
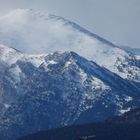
(39, 92)
(125, 127)
(34, 32)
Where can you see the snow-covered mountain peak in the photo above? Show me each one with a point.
(36, 33)
(62, 70)
(9, 55)
(39, 30)
(5, 49)
(63, 85)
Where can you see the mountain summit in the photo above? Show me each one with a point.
(34, 32)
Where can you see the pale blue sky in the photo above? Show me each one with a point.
(115, 20)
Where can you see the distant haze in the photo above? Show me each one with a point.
(116, 20)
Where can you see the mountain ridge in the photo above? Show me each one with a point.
(63, 85)
(61, 75)
(38, 33)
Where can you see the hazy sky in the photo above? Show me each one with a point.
(115, 20)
